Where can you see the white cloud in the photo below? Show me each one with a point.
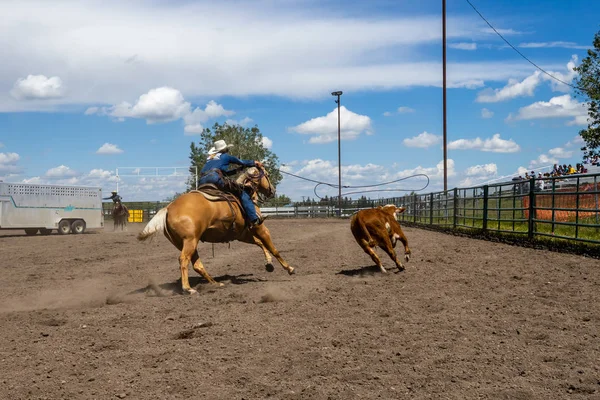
(495, 144)
(243, 122)
(162, 104)
(422, 140)
(502, 31)
(195, 119)
(211, 111)
(543, 160)
(513, 89)
(109, 148)
(165, 104)
(142, 188)
(71, 40)
(325, 129)
(92, 110)
(482, 170)
(579, 120)
(564, 77)
(527, 86)
(267, 143)
(101, 174)
(485, 113)
(34, 180)
(194, 129)
(37, 87)
(558, 107)
(522, 170)
(559, 152)
(400, 110)
(357, 175)
(436, 172)
(404, 110)
(8, 162)
(565, 45)
(61, 171)
(577, 141)
(463, 46)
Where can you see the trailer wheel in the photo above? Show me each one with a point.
(78, 226)
(31, 231)
(45, 231)
(64, 227)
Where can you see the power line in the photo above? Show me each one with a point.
(521, 54)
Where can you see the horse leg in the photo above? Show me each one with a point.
(263, 234)
(268, 258)
(199, 268)
(187, 252)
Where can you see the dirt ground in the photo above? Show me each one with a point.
(100, 315)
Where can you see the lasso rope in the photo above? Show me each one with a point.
(332, 185)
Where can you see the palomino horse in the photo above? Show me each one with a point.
(204, 215)
(120, 215)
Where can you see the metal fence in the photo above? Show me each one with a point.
(559, 207)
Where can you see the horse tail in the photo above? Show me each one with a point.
(156, 224)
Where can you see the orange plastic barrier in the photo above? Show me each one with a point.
(586, 202)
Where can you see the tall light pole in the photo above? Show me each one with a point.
(444, 93)
(338, 94)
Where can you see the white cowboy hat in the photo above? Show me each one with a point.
(219, 146)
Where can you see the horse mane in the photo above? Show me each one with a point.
(252, 171)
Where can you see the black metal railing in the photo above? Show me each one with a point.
(564, 207)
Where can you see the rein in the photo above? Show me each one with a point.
(254, 179)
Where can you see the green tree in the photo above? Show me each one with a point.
(279, 201)
(247, 145)
(173, 197)
(588, 86)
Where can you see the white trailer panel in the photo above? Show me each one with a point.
(47, 207)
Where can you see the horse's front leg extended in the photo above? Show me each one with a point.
(262, 233)
(268, 259)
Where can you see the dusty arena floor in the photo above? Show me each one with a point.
(100, 316)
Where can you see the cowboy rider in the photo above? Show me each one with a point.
(114, 197)
(215, 171)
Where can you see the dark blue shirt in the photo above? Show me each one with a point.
(222, 161)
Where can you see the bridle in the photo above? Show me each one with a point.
(255, 179)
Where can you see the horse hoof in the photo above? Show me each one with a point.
(292, 271)
(269, 267)
(407, 257)
(191, 291)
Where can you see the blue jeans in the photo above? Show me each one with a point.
(214, 178)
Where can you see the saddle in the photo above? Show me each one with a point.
(212, 193)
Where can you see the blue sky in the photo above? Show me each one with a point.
(89, 87)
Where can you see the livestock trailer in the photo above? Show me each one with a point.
(43, 208)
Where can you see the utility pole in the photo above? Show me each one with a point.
(338, 94)
(444, 94)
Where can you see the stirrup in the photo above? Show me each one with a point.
(258, 222)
